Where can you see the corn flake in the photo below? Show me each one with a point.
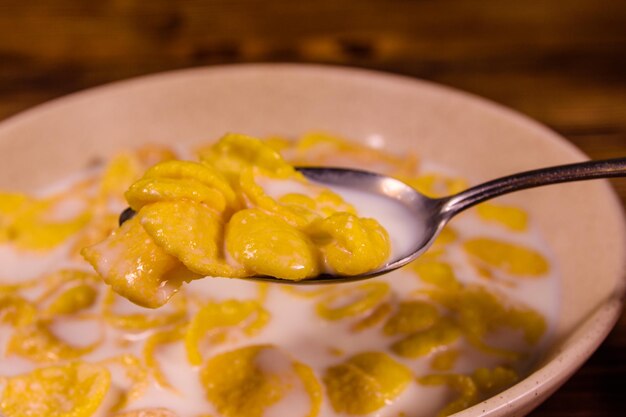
(412, 316)
(72, 390)
(511, 258)
(38, 343)
(512, 218)
(265, 245)
(76, 298)
(240, 384)
(463, 384)
(365, 382)
(351, 245)
(442, 333)
(16, 311)
(234, 152)
(250, 316)
(353, 301)
(135, 267)
(190, 232)
(152, 343)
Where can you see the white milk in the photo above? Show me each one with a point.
(295, 328)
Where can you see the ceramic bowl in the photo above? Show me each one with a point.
(582, 222)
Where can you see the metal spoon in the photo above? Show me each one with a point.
(435, 213)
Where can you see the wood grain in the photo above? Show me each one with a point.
(560, 62)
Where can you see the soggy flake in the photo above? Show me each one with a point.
(240, 383)
(353, 301)
(135, 267)
(249, 316)
(249, 240)
(75, 389)
(513, 259)
(351, 245)
(365, 382)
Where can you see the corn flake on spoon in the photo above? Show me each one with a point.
(432, 214)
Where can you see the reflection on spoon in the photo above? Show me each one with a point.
(414, 220)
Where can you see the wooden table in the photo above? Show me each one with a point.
(560, 62)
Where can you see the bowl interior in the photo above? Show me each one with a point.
(583, 222)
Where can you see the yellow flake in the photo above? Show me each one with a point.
(151, 190)
(314, 147)
(278, 143)
(463, 384)
(513, 218)
(439, 274)
(373, 318)
(152, 343)
(250, 316)
(312, 387)
(37, 343)
(442, 333)
(444, 361)
(470, 388)
(16, 311)
(71, 390)
(73, 300)
(136, 373)
(190, 232)
(437, 185)
(265, 245)
(186, 170)
(294, 215)
(11, 204)
(329, 203)
(298, 200)
(511, 258)
(33, 228)
(365, 382)
(135, 267)
(118, 175)
(234, 152)
(57, 279)
(446, 236)
(351, 245)
(479, 312)
(490, 381)
(412, 316)
(298, 210)
(353, 301)
(239, 384)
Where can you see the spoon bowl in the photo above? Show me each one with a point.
(432, 214)
(425, 211)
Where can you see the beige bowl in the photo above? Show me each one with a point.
(583, 222)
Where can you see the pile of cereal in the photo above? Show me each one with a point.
(214, 218)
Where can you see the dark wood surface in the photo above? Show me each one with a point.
(560, 62)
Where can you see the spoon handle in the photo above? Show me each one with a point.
(536, 178)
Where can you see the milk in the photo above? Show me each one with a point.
(295, 328)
